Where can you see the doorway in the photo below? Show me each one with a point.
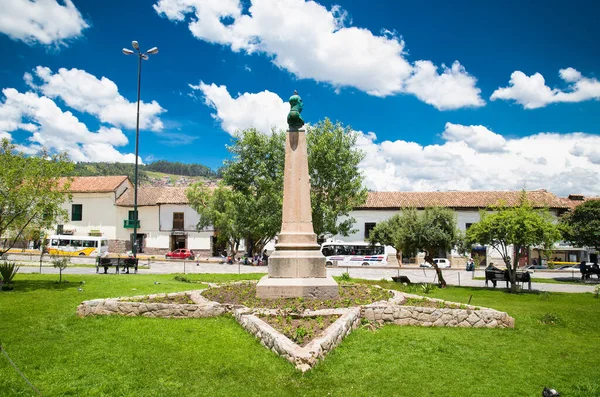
(178, 241)
(140, 242)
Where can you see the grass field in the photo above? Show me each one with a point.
(559, 279)
(555, 343)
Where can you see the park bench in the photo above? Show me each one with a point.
(495, 275)
(118, 263)
(587, 271)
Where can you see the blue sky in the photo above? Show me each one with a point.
(463, 95)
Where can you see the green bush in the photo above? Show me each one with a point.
(345, 276)
(8, 270)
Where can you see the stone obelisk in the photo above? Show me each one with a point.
(297, 267)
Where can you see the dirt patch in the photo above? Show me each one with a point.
(245, 294)
(431, 303)
(182, 299)
(301, 330)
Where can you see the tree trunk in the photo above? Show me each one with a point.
(441, 280)
(398, 257)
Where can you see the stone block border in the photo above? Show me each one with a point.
(304, 358)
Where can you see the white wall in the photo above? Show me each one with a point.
(98, 213)
(190, 217)
(148, 216)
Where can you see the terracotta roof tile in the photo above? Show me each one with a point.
(94, 184)
(466, 199)
(154, 196)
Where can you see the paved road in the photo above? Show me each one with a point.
(416, 275)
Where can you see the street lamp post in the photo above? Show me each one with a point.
(144, 56)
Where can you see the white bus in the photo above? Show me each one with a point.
(340, 253)
(77, 245)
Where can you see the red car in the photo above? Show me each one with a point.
(182, 253)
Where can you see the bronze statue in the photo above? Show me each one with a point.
(294, 119)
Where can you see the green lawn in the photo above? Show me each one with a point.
(559, 279)
(63, 355)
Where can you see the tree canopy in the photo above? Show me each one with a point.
(31, 192)
(582, 226)
(431, 231)
(254, 179)
(512, 230)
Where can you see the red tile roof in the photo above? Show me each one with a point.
(154, 196)
(575, 200)
(471, 199)
(94, 184)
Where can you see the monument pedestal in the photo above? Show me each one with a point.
(312, 288)
(297, 267)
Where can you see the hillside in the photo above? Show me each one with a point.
(159, 173)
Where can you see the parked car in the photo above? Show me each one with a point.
(442, 263)
(182, 253)
(536, 267)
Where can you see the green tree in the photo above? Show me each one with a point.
(31, 192)
(336, 182)
(582, 226)
(431, 231)
(518, 227)
(60, 264)
(254, 177)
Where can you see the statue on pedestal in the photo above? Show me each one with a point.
(294, 119)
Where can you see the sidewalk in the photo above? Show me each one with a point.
(416, 275)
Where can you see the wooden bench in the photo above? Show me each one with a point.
(495, 275)
(118, 263)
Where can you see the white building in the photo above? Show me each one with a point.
(92, 210)
(103, 205)
(381, 206)
(166, 221)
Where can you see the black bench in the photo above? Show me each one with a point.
(118, 263)
(587, 271)
(495, 275)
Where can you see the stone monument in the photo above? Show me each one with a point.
(297, 267)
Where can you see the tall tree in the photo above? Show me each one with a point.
(255, 175)
(518, 228)
(431, 231)
(336, 182)
(31, 192)
(582, 226)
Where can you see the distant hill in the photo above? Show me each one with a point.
(164, 173)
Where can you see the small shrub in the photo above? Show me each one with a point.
(345, 276)
(427, 288)
(8, 270)
(61, 264)
(552, 319)
(183, 279)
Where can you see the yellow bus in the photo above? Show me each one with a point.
(77, 245)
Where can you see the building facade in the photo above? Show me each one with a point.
(381, 206)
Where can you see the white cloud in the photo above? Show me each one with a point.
(561, 163)
(58, 130)
(311, 42)
(532, 92)
(100, 97)
(41, 21)
(262, 111)
(476, 137)
(452, 89)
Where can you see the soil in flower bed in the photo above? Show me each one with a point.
(430, 303)
(299, 329)
(177, 299)
(245, 294)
